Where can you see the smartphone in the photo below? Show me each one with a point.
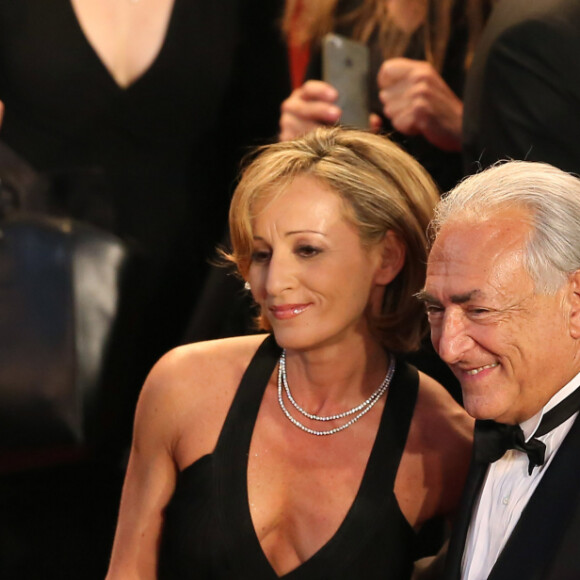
(345, 65)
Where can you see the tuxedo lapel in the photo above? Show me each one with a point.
(473, 484)
(544, 525)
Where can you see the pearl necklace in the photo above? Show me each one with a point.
(361, 409)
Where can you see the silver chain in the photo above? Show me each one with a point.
(361, 409)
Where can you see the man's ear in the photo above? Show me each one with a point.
(392, 258)
(574, 301)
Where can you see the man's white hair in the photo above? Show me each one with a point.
(550, 199)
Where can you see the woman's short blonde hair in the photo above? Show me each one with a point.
(383, 189)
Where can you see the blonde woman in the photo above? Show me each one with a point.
(312, 451)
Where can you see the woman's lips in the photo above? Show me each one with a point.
(288, 310)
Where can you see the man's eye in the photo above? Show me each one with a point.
(433, 310)
(308, 251)
(478, 311)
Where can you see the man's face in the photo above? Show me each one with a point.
(510, 348)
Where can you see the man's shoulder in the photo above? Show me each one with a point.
(519, 19)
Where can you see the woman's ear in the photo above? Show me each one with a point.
(392, 258)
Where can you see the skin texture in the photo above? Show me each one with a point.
(127, 36)
(310, 273)
(310, 106)
(316, 282)
(510, 347)
(419, 102)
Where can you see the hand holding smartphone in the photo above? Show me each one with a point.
(345, 65)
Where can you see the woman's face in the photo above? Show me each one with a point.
(309, 272)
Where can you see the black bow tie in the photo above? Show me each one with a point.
(492, 440)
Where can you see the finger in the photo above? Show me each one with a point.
(405, 123)
(393, 70)
(314, 90)
(375, 123)
(396, 92)
(311, 111)
(414, 118)
(292, 128)
(395, 100)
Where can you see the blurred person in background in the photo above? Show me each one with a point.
(420, 52)
(137, 112)
(523, 91)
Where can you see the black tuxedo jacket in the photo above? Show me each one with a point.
(522, 94)
(545, 544)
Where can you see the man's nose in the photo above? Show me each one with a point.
(451, 340)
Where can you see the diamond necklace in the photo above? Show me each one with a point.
(361, 409)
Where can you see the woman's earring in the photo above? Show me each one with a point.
(247, 286)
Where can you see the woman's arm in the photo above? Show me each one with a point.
(448, 439)
(179, 417)
(436, 458)
(149, 482)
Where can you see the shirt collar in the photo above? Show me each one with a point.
(530, 426)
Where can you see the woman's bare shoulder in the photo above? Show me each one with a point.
(436, 457)
(443, 435)
(198, 365)
(189, 391)
(441, 431)
(441, 414)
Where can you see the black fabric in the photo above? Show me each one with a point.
(208, 531)
(544, 543)
(559, 413)
(493, 439)
(534, 549)
(61, 286)
(21, 187)
(473, 483)
(153, 163)
(522, 93)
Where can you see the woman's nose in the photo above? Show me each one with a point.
(279, 276)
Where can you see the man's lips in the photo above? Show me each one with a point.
(473, 371)
(286, 311)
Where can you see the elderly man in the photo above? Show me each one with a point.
(503, 299)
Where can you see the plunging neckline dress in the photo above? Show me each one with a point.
(208, 530)
(153, 163)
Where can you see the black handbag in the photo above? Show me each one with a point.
(61, 285)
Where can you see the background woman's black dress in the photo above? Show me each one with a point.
(153, 163)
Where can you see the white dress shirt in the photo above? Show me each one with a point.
(506, 491)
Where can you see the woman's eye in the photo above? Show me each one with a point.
(307, 251)
(260, 256)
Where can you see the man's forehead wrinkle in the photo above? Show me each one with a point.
(464, 296)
